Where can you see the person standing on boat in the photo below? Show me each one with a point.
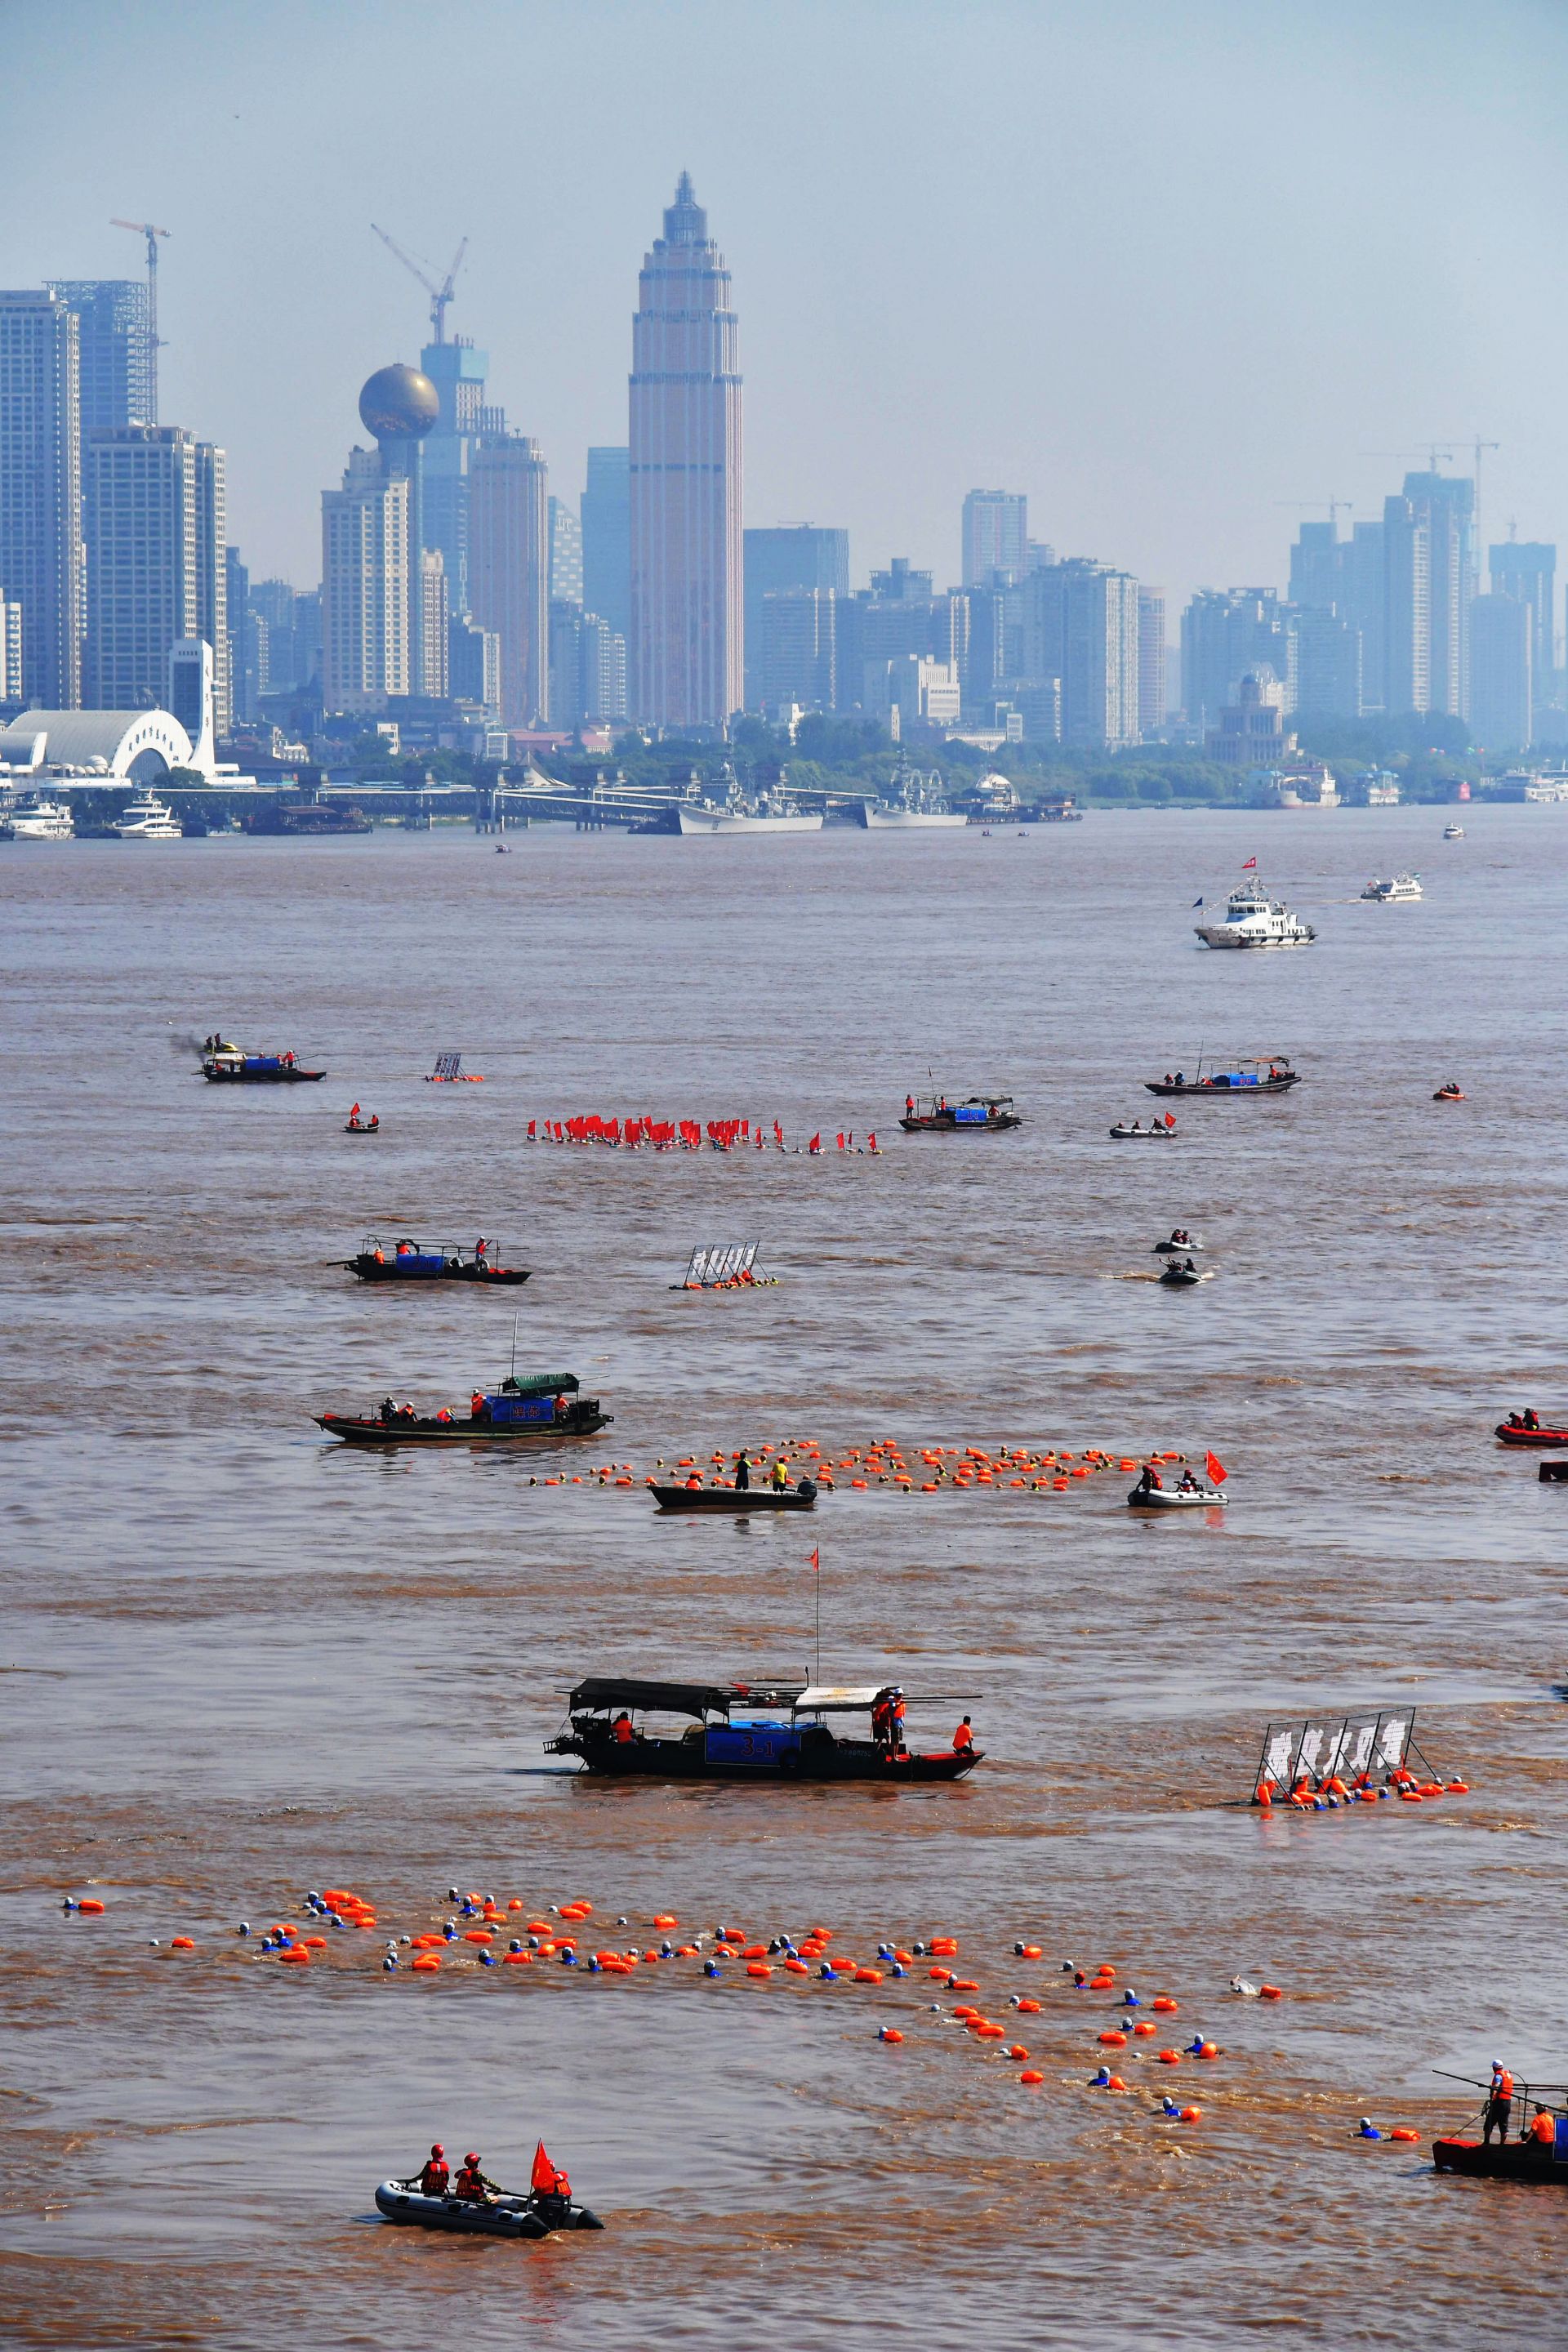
(1500, 2105)
(621, 1729)
(743, 1476)
(898, 1714)
(909, 1106)
(882, 1720)
(780, 1476)
(478, 1406)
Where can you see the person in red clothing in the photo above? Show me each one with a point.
(964, 1738)
(435, 2180)
(471, 2185)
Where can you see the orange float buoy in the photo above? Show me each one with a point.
(988, 2033)
(516, 1903)
(965, 1984)
(1459, 1788)
(1115, 2082)
(758, 1968)
(300, 1959)
(1033, 2075)
(1031, 2007)
(889, 2033)
(1191, 2115)
(426, 1963)
(1113, 2040)
(1030, 1952)
(516, 1959)
(665, 1920)
(188, 1943)
(1143, 2026)
(1269, 1992)
(312, 1943)
(478, 1935)
(90, 1902)
(1208, 2050)
(1164, 2005)
(868, 1976)
(1403, 2131)
(1016, 2050)
(1169, 2057)
(795, 1967)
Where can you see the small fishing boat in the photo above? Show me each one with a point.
(505, 2216)
(1176, 1247)
(1173, 1498)
(227, 1065)
(1518, 1433)
(411, 1261)
(774, 1730)
(1527, 2159)
(979, 1115)
(370, 1126)
(545, 1407)
(1262, 1074)
(735, 1500)
(1132, 1131)
(1253, 919)
(1394, 892)
(1181, 1277)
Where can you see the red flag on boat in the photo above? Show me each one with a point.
(1169, 1118)
(1250, 866)
(1216, 1469)
(815, 1560)
(545, 2177)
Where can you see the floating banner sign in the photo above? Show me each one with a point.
(1305, 1757)
(450, 1072)
(724, 1266)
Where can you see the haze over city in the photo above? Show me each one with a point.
(1167, 271)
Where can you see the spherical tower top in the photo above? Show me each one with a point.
(398, 404)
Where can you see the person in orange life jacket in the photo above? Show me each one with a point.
(471, 2185)
(909, 1106)
(622, 1730)
(1150, 1482)
(1500, 2104)
(435, 2178)
(962, 1739)
(882, 1720)
(896, 1718)
(478, 1406)
(1543, 2129)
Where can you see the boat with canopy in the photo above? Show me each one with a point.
(1256, 1073)
(781, 1727)
(978, 1115)
(412, 1261)
(538, 1407)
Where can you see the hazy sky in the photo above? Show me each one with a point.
(1162, 266)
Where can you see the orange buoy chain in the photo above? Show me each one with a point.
(634, 1131)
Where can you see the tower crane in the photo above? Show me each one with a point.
(151, 232)
(439, 295)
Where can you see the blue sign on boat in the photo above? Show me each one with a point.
(971, 1114)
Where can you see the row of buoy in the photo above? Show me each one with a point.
(970, 1469)
(635, 1133)
(1309, 1796)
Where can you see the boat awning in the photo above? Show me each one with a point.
(835, 1699)
(538, 1384)
(596, 1690)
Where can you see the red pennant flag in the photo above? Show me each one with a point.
(544, 2180)
(1216, 1469)
(1250, 866)
(816, 1560)
(1169, 1118)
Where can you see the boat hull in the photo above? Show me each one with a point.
(356, 1431)
(693, 821)
(687, 1759)
(936, 1124)
(264, 1078)
(1143, 1135)
(1506, 1436)
(913, 821)
(508, 2217)
(488, 1278)
(1170, 1498)
(1220, 1094)
(729, 1500)
(1510, 2160)
(1220, 935)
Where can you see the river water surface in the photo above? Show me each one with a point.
(240, 1662)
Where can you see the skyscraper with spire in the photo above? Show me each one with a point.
(686, 555)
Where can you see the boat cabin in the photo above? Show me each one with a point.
(409, 1260)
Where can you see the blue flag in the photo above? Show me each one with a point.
(1197, 902)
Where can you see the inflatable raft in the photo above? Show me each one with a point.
(1173, 1498)
(736, 1500)
(1507, 1432)
(505, 2217)
(1181, 1277)
(1123, 1133)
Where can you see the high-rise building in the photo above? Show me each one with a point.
(245, 633)
(687, 641)
(900, 616)
(1406, 607)
(587, 668)
(457, 369)
(1081, 625)
(1226, 631)
(1328, 665)
(1363, 606)
(565, 554)
(365, 619)
(1318, 567)
(790, 556)
(119, 368)
(473, 665)
(996, 535)
(1526, 570)
(509, 568)
(157, 573)
(792, 648)
(435, 614)
(402, 407)
(1502, 646)
(604, 511)
(10, 652)
(1151, 663)
(41, 566)
(1428, 580)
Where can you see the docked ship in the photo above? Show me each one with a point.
(33, 818)
(1253, 919)
(914, 804)
(768, 811)
(1391, 893)
(147, 819)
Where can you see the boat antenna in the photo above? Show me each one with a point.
(816, 1579)
(514, 1344)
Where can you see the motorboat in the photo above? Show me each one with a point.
(544, 1406)
(1253, 919)
(1395, 891)
(1528, 2160)
(1132, 1131)
(980, 1115)
(1181, 1277)
(503, 2216)
(147, 819)
(735, 1500)
(227, 1065)
(1175, 1499)
(34, 818)
(1261, 1074)
(1453, 832)
(1173, 1248)
(409, 1261)
(1450, 1094)
(1520, 1432)
(781, 1729)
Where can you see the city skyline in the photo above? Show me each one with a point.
(1160, 404)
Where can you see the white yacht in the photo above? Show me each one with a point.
(147, 819)
(1253, 919)
(1453, 832)
(1389, 894)
(34, 818)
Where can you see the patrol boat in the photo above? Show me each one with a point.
(1253, 919)
(545, 1406)
(777, 1729)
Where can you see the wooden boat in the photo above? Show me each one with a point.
(506, 2216)
(737, 1499)
(1508, 1433)
(520, 1412)
(1510, 2161)
(363, 1127)
(411, 1261)
(1264, 1074)
(229, 1067)
(777, 1730)
(980, 1115)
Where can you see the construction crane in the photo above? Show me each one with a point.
(1336, 508)
(439, 295)
(151, 232)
